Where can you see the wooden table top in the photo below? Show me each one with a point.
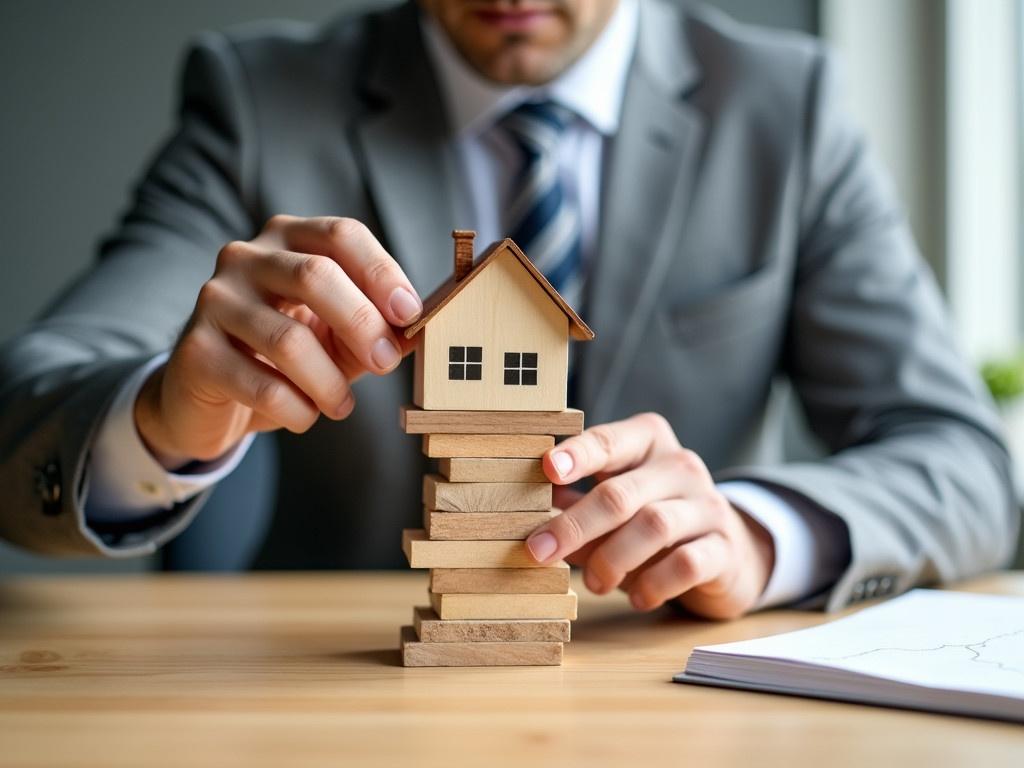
(302, 669)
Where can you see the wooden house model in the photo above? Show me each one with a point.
(495, 336)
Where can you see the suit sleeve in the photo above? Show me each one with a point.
(917, 470)
(57, 377)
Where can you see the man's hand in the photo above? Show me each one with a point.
(655, 525)
(287, 322)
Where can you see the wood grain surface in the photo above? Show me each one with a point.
(423, 553)
(475, 526)
(485, 497)
(304, 670)
(487, 446)
(487, 653)
(471, 606)
(546, 580)
(492, 470)
(416, 421)
(431, 629)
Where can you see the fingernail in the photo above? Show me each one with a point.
(346, 407)
(385, 355)
(638, 601)
(593, 583)
(563, 462)
(542, 546)
(404, 305)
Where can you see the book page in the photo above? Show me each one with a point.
(951, 640)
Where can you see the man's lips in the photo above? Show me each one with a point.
(514, 20)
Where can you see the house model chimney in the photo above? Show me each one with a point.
(463, 252)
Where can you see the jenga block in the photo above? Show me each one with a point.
(431, 629)
(485, 497)
(485, 654)
(423, 553)
(416, 421)
(468, 606)
(487, 446)
(492, 470)
(524, 581)
(478, 526)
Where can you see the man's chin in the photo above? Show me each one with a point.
(520, 63)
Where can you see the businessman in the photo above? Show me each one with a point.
(693, 185)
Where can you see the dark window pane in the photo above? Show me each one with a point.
(512, 376)
(529, 359)
(512, 360)
(530, 376)
(474, 354)
(474, 371)
(456, 354)
(456, 372)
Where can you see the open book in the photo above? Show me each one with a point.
(941, 651)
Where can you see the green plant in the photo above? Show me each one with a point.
(1004, 378)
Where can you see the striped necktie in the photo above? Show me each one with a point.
(543, 218)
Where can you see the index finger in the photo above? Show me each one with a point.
(612, 447)
(353, 246)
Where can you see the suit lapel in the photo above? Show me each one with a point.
(647, 183)
(409, 163)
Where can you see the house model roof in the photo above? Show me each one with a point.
(451, 288)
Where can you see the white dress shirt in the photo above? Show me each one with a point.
(126, 482)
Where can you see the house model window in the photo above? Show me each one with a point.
(465, 363)
(521, 368)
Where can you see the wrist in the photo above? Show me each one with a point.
(764, 551)
(149, 423)
(737, 591)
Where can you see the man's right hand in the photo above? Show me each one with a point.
(287, 322)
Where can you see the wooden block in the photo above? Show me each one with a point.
(431, 629)
(485, 497)
(492, 470)
(485, 654)
(487, 446)
(495, 581)
(477, 606)
(478, 526)
(416, 421)
(423, 553)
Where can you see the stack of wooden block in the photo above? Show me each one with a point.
(490, 390)
(490, 603)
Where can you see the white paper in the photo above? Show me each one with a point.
(927, 647)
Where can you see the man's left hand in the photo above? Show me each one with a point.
(654, 525)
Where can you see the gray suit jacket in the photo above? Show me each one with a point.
(746, 232)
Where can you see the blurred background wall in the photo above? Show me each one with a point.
(87, 94)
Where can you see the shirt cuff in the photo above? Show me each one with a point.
(125, 481)
(805, 541)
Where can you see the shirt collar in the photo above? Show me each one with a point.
(593, 87)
